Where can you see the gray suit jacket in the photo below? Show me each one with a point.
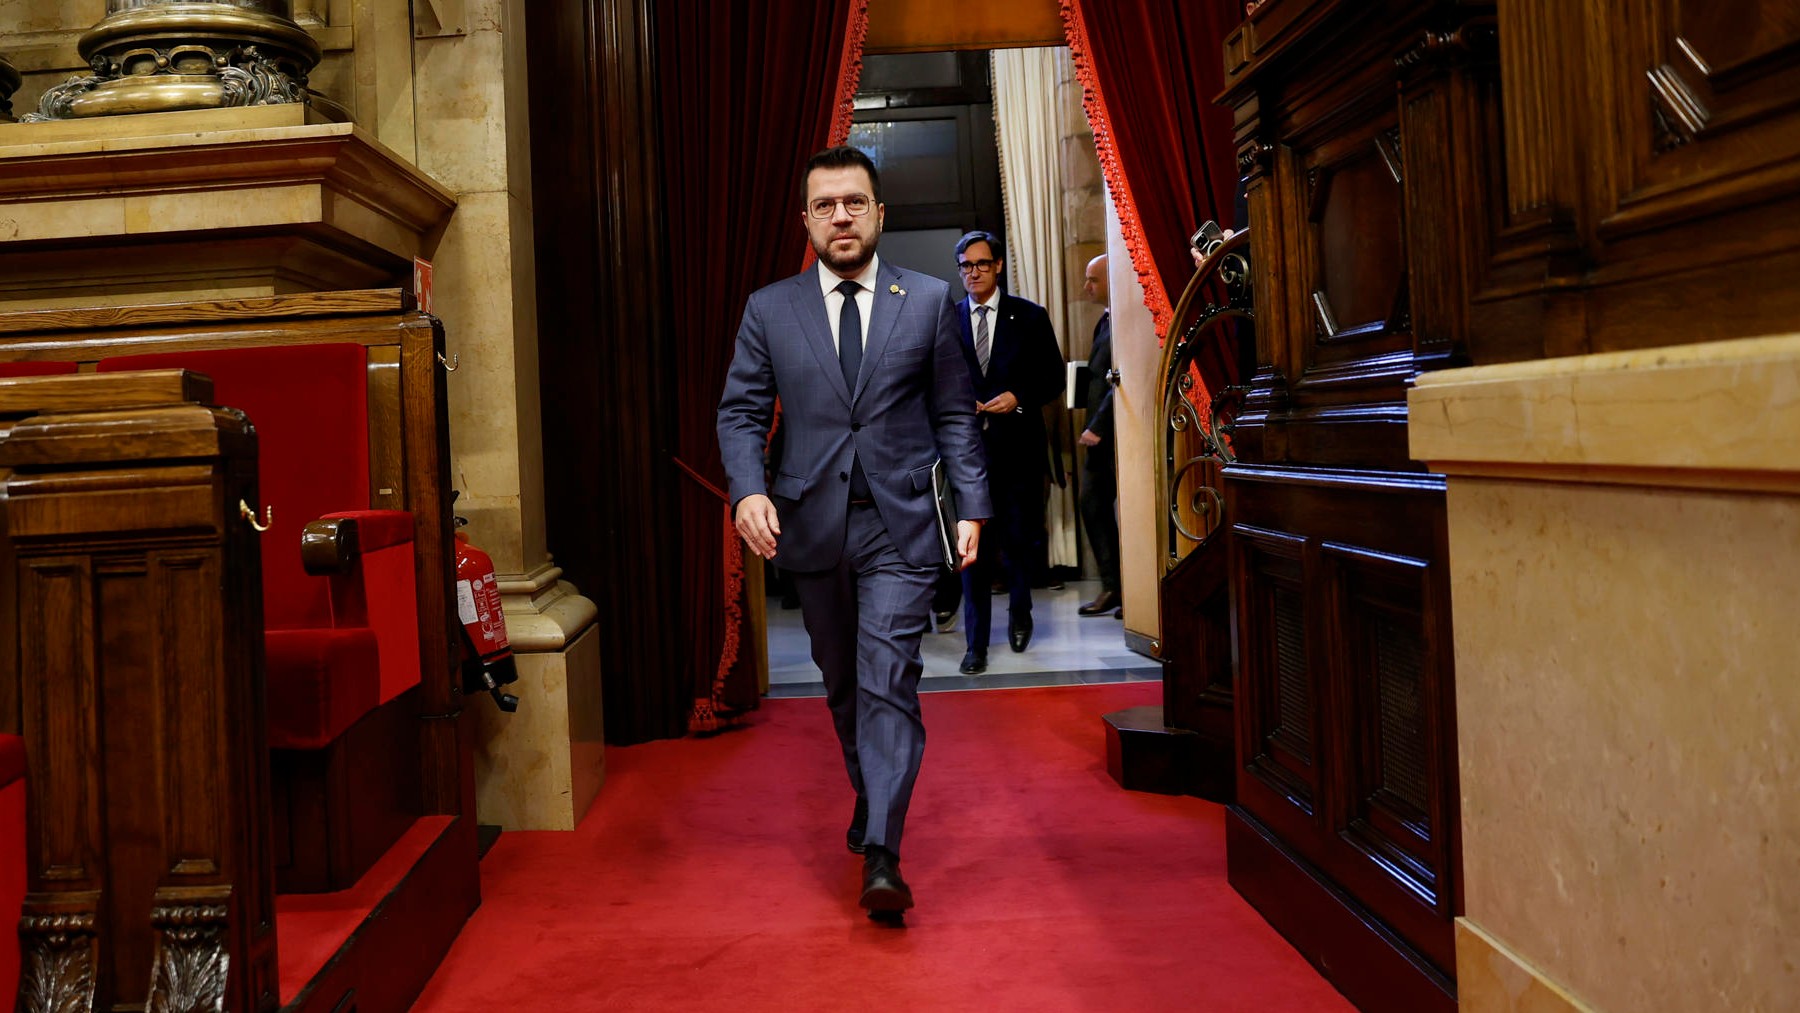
(913, 403)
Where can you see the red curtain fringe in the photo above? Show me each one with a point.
(856, 33)
(1093, 101)
(712, 714)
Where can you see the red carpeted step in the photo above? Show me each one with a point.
(711, 874)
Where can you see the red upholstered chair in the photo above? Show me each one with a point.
(12, 855)
(339, 602)
(12, 782)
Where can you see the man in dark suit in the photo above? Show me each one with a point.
(1018, 369)
(849, 512)
(1099, 481)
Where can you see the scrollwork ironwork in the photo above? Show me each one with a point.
(1193, 435)
(252, 79)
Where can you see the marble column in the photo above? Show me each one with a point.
(540, 768)
(1622, 542)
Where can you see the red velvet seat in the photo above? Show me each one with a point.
(12, 855)
(27, 368)
(341, 646)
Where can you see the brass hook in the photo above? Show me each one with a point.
(451, 363)
(246, 512)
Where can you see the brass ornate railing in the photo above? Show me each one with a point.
(1215, 309)
(165, 55)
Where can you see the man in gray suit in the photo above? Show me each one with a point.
(849, 512)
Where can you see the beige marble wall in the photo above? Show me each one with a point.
(1625, 563)
(472, 132)
(542, 766)
(38, 36)
(1084, 205)
(1138, 358)
(1084, 238)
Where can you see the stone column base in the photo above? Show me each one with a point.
(1490, 978)
(540, 768)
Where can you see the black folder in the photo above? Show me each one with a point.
(945, 499)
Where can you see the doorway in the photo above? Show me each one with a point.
(928, 121)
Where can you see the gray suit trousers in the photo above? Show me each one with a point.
(865, 618)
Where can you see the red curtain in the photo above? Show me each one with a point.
(1150, 70)
(749, 89)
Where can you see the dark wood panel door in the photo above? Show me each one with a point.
(1708, 106)
(1346, 719)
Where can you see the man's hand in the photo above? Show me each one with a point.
(1088, 438)
(968, 539)
(1002, 403)
(757, 522)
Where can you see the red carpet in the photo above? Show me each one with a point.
(712, 875)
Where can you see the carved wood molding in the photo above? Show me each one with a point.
(1477, 38)
(192, 958)
(1255, 159)
(1679, 114)
(58, 954)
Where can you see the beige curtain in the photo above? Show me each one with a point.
(1025, 115)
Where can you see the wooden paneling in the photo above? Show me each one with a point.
(1345, 706)
(139, 626)
(1565, 178)
(142, 711)
(1662, 208)
(919, 26)
(1368, 134)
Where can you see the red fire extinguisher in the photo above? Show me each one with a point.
(487, 662)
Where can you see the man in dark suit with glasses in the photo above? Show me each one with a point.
(874, 389)
(1017, 368)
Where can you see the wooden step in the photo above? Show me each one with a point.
(1143, 754)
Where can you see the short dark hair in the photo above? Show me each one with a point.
(843, 157)
(981, 236)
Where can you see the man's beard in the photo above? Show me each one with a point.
(847, 261)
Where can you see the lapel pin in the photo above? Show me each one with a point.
(897, 290)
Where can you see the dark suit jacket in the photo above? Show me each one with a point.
(912, 404)
(1025, 360)
(1099, 392)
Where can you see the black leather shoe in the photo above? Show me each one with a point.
(944, 622)
(1018, 635)
(859, 825)
(884, 892)
(974, 663)
(1103, 603)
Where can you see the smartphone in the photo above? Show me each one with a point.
(1207, 233)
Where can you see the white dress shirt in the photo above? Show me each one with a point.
(865, 296)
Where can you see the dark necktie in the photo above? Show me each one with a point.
(850, 349)
(983, 347)
(850, 335)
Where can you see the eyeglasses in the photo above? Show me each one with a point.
(972, 266)
(856, 205)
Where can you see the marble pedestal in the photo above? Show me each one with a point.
(1625, 564)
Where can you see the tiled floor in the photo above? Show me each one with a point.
(1065, 649)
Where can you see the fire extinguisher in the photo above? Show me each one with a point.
(487, 662)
